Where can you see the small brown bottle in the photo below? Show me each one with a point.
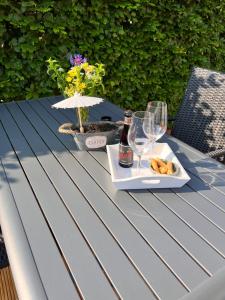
(125, 151)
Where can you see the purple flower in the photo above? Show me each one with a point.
(77, 59)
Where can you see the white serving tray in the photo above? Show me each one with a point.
(128, 178)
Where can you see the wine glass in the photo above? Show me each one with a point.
(137, 138)
(157, 128)
(149, 127)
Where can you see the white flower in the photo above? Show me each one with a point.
(89, 75)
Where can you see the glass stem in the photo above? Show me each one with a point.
(152, 145)
(139, 164)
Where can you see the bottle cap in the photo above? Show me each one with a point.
(128, 113)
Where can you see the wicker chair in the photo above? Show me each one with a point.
(3, 255)
(200, 121)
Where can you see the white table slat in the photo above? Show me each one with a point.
(66, 189)
(36, 229)
(208, 191)
(195, 220)
(212, 177)
(192, 158)
(178, 261)
(72, 243)
(89, 164)
(100, 194)
(66, 232)
(171, 223)
(203, 206)
(22, 261)
(213, 288)
(79, 238)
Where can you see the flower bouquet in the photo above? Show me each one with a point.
(81, 78)
(80, 83)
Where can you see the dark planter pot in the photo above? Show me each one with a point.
(96, 135)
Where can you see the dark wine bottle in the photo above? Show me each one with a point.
(125, 151)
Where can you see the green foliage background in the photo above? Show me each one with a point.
(148, 47)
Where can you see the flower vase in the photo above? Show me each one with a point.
(96, 135)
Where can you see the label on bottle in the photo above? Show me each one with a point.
(125, 155)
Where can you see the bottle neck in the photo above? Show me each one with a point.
(126, 127)
(124, 133)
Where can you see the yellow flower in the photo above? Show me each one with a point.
(69, 79)
(80, 87)
(70, 90)
(87, 68)
(90, 69)
(71, 73)
(75, 87)
(74, 72)
(84, 66)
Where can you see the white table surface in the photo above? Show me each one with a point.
(71, 235)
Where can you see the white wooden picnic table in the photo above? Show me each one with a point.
(71, 235)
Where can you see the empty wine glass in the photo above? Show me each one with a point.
(149, 127)
(158, 111)
(137, 138)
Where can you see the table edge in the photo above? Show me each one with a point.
(26, 277)
(212, 288)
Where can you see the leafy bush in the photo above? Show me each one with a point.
(148, 46)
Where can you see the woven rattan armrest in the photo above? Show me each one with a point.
(216, 153)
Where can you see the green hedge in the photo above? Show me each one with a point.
(148, 47)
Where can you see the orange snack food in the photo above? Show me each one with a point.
(162, 166)
(163, 170)
(170, 168)
(154, 165)
(161, 163)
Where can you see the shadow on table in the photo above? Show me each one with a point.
(41, 138)
(203, 170)
(28, 156)
(34, 136)
(3, 172)
(30, 128)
